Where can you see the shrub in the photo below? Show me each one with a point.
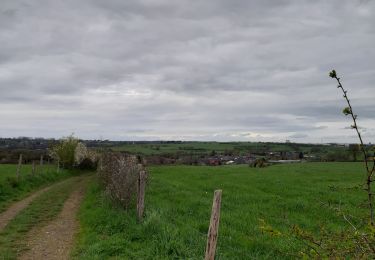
(64, 152)
(260, 163)
(71, 153)
(84, 158)
(87, 164)
(337, 156)
(80, 153)
(119, 174)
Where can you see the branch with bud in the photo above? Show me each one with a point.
(367, 159)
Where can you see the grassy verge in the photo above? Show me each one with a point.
(178, 205)
(43, 208)
(12, 189)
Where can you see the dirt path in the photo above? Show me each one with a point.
(55, 240)
(13, 210)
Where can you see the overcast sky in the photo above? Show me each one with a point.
(186, 70)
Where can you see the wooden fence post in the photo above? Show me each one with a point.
(141, 185)
(214, 226)
(48, 165)
(19, 167)
(33, 168)
(100, 167)
(41, 164)
(58, 165)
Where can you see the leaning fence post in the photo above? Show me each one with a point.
(141, 185)
(19, 167)
(214, 226)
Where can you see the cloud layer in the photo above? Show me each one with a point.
(190, 70)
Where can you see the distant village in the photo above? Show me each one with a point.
(274, 157)
(216, 160)
(32, 148)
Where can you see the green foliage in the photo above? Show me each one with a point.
(354, 149)
(64, 152)
(338, 156)
(268, 229)
(347, 243)
(333, 74)
(260, 163)
(346, 111)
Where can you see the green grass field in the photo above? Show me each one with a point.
(12, 189)
(178, 207)
(9, 170)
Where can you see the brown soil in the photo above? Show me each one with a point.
(55, 240)
(13, 211)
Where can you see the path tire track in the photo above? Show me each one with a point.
(56, 239)
(17, 207)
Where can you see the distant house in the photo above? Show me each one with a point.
(240, 160)
(213, 161)
(285, 155)
(274, 155)
(227, 160)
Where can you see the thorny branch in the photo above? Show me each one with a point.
(369, 169)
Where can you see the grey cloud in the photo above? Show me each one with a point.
(185, 68)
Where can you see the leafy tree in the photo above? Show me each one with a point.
(354, 148)
(337, 156)
(64, 151)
